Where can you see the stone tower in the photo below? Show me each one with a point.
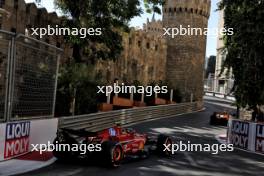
(186, 54)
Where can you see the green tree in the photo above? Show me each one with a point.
(113, 16)
(77, 86)
(244, 49)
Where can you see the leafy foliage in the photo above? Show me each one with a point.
(112, 16)
(244, 49)
(78, 82)
(153, 6)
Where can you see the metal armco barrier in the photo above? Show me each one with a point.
(219, 95)
(98, 121)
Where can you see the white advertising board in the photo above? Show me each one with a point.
(246, 135)
(16, 137)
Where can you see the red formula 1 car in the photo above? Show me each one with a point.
(110, 146)
(219, 118)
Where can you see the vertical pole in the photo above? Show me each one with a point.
(55, 86)
(108, 98)
(171, 95)
(11, 78)
(7, 79)
(132, 96)
(116, 84)
(74, 102)
(191, 97)
(142, 98)
(156, 95)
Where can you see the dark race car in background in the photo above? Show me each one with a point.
(116, 144)
(220, 118)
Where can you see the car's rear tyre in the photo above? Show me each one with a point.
(112, 154)
(161, 149)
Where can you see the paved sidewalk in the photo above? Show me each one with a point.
(26, 163)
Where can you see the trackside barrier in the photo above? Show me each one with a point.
(246, 135)
(98, 121)
(28, 81)
(219, 95)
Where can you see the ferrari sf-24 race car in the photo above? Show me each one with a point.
(116, 144)
(220, 118)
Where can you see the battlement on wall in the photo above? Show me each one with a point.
(196, 7)
(153, 26)
(143, 57)
(25, 15)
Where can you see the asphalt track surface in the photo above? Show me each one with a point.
(191, 127)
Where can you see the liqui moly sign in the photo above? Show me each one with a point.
(240, 134)
(259, 143)
(17, 139)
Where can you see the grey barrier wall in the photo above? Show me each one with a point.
(98, 121)
(28, 77)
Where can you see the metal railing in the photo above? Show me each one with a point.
(5, 47)
(98, 121)
(219, 95)
(28, 77)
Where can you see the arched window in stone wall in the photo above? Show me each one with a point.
(139, 43)
(156, 47)
(148, 45)
(180, 9)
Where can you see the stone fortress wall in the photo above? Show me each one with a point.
(186, 54)
(144, 54)
(147, 55)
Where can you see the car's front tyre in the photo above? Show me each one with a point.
(112, 154)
